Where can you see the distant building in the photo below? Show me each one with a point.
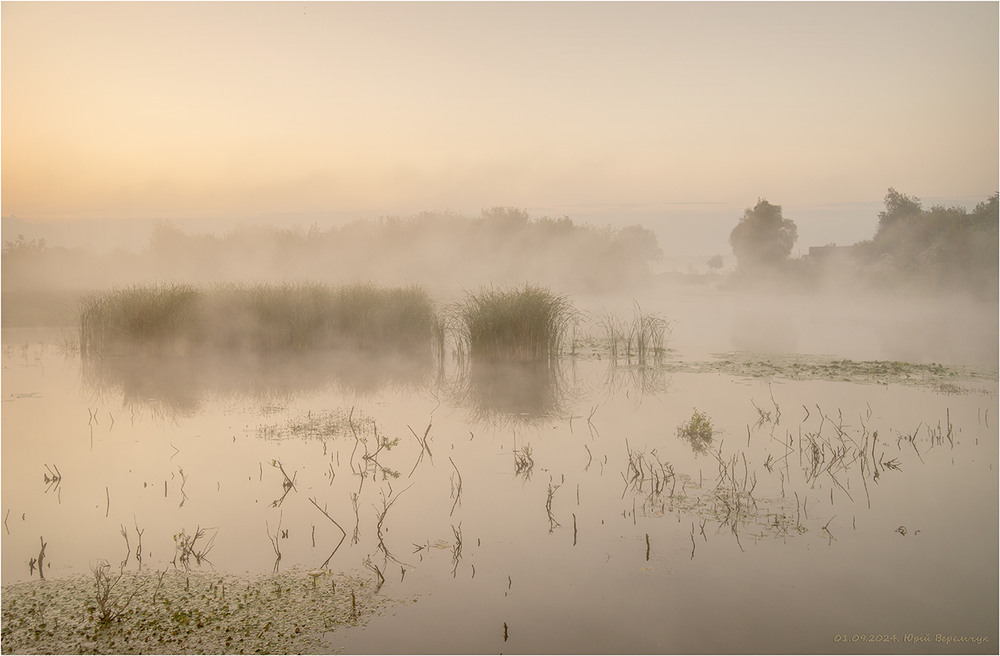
(832, 251)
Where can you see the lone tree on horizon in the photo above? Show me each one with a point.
(763, 238)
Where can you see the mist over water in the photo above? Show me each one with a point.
(795, 442)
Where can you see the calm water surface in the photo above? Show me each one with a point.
(553, 513)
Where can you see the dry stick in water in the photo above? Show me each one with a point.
(647, 546)
(41, 557)
(335, 523)
(423, 447)
(457, 490)
(128, 549)
(138, 546)
(274, 543)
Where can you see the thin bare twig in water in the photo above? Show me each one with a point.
(138, 546)
(424, 447)
(159, 582)
(378, 572)
(548, 507)
(456, 549)
(274, 541)
(184, 479)
(455, 489)
(41, 558)
(335, 523)
(386, 504)
(185, 547)
(287, 485)
(128, 549)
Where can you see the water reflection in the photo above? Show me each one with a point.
(179, 386)
(504, 392)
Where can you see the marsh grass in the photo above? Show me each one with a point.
(134, 318)
(641, 341)
(513, 324)
(182, 320)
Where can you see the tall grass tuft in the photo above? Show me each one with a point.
(133, 318)
(180, 319)
(514, 324)
(642, 341)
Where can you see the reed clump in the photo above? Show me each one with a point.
(643, 341)
(183, 320)
(147, 317)
(513, 324)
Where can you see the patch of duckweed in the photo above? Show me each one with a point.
(947, 379)
(187, 613)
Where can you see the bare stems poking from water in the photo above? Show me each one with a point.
(184, 479)
(337, 524)
(456, 487)
(138, 546)
(648, 469)
(644, 339)
(456, 549)
(287, 485)
(378, 572)
(524, 464)
(128, 549)
(370, 460)
(53, 479)
(41, 558)
(386, 504)
(424, 448)
(548, 507)
(111, 602)
(186, 547)
(274, 542)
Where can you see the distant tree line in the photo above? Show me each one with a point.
(940, 248)
(438, 249)
(937, 250)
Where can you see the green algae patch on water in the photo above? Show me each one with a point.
(184, 612)
(942, 378)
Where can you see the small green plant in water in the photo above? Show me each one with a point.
(697, 431)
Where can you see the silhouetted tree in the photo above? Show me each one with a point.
(763, 237)
(939, 248)
(898, 207)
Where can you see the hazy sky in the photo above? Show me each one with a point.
(657, 112)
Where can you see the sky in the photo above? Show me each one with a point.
(675, 115)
